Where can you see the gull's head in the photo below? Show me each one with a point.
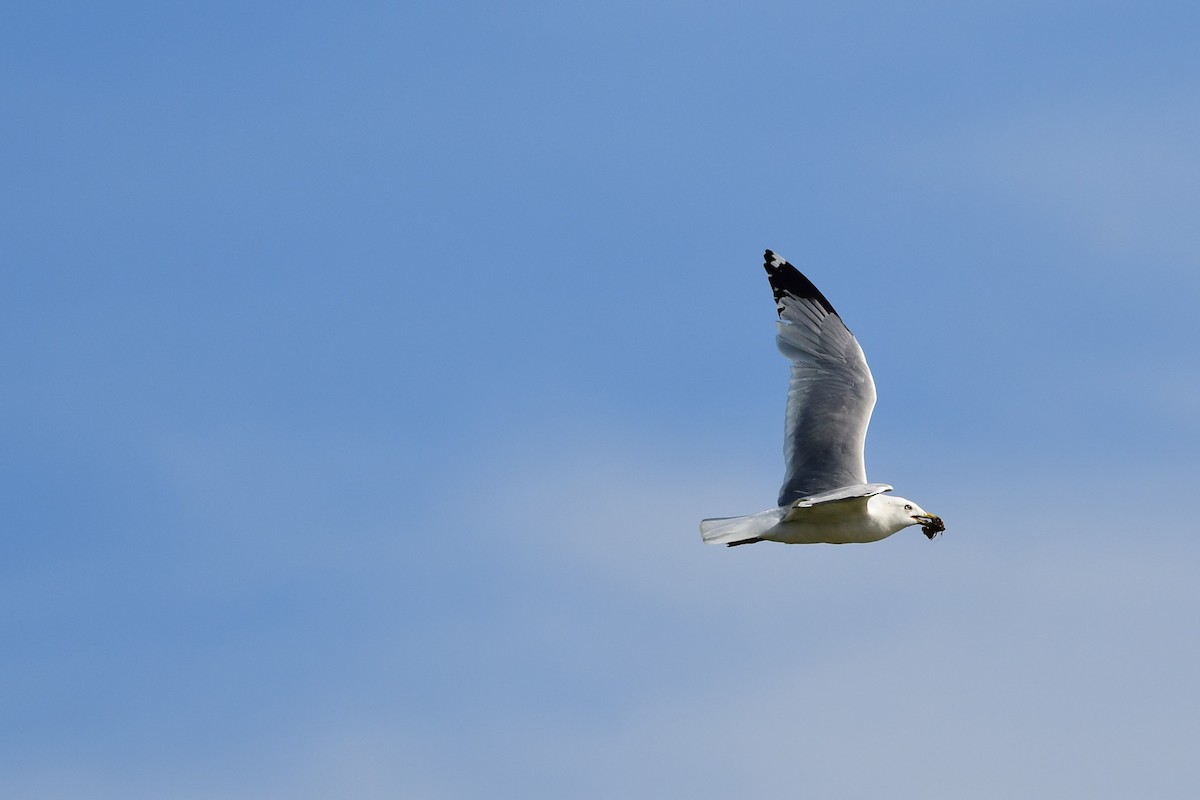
(905, 512)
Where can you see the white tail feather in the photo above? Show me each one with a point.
(727, 530)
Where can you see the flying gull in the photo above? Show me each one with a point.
(825, 495)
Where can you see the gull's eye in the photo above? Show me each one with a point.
(907, 507)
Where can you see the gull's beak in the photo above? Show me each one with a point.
(931, 524)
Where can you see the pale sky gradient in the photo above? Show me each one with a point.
(370, 365)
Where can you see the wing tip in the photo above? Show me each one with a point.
(787, 281)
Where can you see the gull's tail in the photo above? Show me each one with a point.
(740, 530)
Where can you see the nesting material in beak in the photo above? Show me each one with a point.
(931, 524)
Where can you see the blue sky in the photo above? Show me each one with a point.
(369, 367)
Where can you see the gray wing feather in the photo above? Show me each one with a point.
(859, 494)
(843, 493)
(831, 394)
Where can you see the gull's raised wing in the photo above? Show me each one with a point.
(831, 394)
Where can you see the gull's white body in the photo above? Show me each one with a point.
(853, 520)
(825, 495)
(870, 520)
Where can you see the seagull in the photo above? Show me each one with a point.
(825, 496)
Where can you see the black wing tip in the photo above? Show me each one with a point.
(787, 281)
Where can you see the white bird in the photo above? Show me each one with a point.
(825, 496)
